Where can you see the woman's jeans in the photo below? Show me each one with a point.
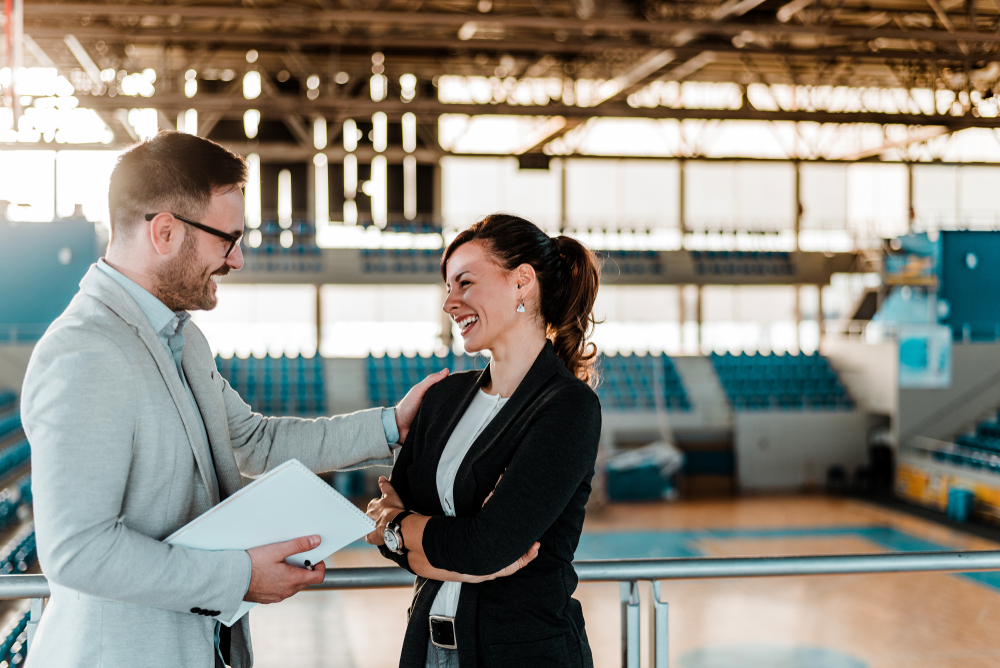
(441, 658)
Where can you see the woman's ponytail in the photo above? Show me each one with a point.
(568, 277)
(572, 322)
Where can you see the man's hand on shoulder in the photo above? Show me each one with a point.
(406, 410)
(273, 580)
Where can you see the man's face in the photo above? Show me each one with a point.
(186, 282)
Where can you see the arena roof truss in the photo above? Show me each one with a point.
(828, 79)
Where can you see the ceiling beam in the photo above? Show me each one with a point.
(433, 46)
(926, 134)
(428, 110)
(86, 62)
(303, 17)
(295, 125)
(287, 152)
(36, 51)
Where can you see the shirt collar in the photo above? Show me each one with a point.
(162, 319)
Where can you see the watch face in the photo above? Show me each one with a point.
(390, 540)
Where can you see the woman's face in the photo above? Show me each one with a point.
(482, 297)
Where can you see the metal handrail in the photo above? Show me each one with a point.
(630, 570)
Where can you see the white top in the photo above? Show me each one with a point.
(483, 408)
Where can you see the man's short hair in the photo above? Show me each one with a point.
(173, 172)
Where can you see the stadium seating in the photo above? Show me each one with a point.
(13, 456)
(414, 227)
(780, 382)
(633, 382)
(8, 400)
(13, 645)
(10, 502)
(302, 256)
(401, 260)
(278, 386)
(20, 553)
(390, 378)
(633, 262)
(9, 423)
(743, 263)
(978, 449)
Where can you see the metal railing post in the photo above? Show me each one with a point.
(33, 619)
(630, 623)
(659, 630)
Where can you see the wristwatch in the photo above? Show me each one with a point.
(393, 534)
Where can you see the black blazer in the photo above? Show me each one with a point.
(544, 443)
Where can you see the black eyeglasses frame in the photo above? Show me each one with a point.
(233, 239)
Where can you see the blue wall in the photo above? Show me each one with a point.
(973, 293)
(35, 287)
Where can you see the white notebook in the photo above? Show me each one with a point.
(286, 503)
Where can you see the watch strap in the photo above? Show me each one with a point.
(395, 526)
(398, 519)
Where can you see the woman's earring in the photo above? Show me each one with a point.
(520, 306)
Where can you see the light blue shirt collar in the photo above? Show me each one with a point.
(165, 322)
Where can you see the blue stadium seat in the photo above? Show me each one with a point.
(390, 378)
(13, 641)
(10, 423)
(278, 386)
(629, 382)
(8, 400)
(780, 382)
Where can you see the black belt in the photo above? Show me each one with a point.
(443, 632)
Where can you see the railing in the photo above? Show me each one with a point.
(628, 573)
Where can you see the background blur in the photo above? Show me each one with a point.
(795, 207)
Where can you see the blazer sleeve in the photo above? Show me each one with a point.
(556, 455)
(79, 410)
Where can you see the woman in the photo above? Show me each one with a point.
(494, 557)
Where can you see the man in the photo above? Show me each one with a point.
(134, 433)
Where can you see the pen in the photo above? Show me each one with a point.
(309, 565)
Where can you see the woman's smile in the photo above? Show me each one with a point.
(466, 324)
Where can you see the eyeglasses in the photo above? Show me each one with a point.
(233, 239)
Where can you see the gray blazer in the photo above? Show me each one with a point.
(119, 463)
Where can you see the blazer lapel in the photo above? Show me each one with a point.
(544, 367)
(440, 430)
(103, 288)
(213, 413)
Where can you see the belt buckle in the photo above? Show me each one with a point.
(443, 632)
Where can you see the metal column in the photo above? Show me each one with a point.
(819, 313)
(912, 213)
(699, 314)
(659, 632)
(15, 34)
(630, 623)
(798, 203)
(681, 216)
(36, 616)
(319, 316)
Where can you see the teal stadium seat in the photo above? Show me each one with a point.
(13, 646)
(978, 449)
(278, 386)
(10, 423)
(8, 400)
(630, 382)
(780, 382)
(390, 378)
(20, 553)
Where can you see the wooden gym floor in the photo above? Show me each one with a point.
(863, 621)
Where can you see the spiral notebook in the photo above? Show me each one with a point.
(286, 503)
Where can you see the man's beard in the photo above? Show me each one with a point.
(182, 285)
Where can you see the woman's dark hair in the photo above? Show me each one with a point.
(568, 277)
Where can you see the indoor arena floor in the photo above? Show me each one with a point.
(920, 620)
